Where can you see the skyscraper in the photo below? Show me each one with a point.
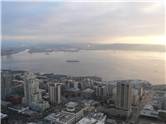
(109, 90)
(31, 89)
(55, 93)
(124, 101)
(32, 93)
(101, 91)
(6, 79)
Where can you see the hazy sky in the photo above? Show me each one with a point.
(81, 22)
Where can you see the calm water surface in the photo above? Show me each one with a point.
(108, 64)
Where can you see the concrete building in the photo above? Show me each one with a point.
(110, 88)
(76, 108)
(71, 106)
(60, 118)
(70, 84)
(135, 97)
(32, 93)
(164, 102)
(86, 83)
(93, 118)
(148, 111)
(55, 93)
(31, 89)
(4, 118)
(72, 92)
(18, 108)
(100, 91)
(88, 93)
(6, 83)
(71, 114)
(124, 97)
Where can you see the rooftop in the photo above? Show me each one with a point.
(3, 115)
(72, 89)
(18, 108)
(149, 113)
(148, 107)
(29, 112)
(93, 118)
(88, 90)
(61, 117)
(87, 121)
(72, 104)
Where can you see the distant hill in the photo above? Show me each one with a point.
(9, 48)
(136, 47)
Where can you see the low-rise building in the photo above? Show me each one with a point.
(4, 118)
(88, 93)
(71, 106)
(18, 108)
(93, 118)
(148, 111)
(23, 110)
(60, 118)
(111, 121)
(40, 106)
(76, 109)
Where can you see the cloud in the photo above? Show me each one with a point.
(153, 7)
(70, 22)
(33, 38)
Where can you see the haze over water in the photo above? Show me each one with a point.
(108, 64)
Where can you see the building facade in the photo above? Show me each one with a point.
(6, 82)
(55, 93)
(124, 95)
(32, 94)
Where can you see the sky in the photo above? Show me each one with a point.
(84, 22)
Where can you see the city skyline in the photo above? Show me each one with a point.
(83, 62)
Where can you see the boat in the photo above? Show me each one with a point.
(72, 61)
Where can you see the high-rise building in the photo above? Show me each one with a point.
(164, 102)
(124, 96)
(109, 89)
(101, 91)
(32, 93)
(71, 84)
(31, 89)
(55, 93)
(6, 81)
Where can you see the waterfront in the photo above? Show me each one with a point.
(108, 64)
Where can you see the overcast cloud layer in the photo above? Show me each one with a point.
(81, 22)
